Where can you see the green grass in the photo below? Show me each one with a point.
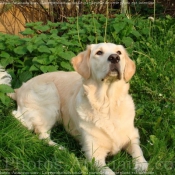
(153, 91)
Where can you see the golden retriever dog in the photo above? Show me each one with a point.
(92, 103)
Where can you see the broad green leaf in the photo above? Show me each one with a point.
(4, 54)
(66, 55)
(119, 26)
(30, 48)
(76, 43)
(33, 68)
(136, 33)
(30, 24)
(52, 68)
(28, 31)
(20, 62)
(38, 60)
(5, 88)
(39, 23)
(43, 59)
(6, 61)
(146, 31)
(129, 21)
(21, 50)
(64, 42)
(25, 76)
(91, 39)
(44, 37)
(38, 41)
(44, 49)
(53, 50)
(52, 24)
(59, 48)
(100, 39)
(54, 31)
(64, 26)
(4, 99)
(2, 46)
(45, 69)
(51, 42)
(73, 32)
(127, 41)
(52, 58)
(66, 65)
(42, 28)
(53, 36)
(27, 39)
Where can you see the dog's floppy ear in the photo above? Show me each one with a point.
(130, 68)
(81, 63)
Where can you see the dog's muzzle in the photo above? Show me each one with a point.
(114, 69)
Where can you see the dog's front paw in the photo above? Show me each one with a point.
(141, 166)
(107, 171)
(14, 113)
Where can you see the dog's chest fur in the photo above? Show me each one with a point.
(111, 111)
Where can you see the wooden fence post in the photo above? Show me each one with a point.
(124, 6)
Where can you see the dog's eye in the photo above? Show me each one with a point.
(99, 53)
(119, 53)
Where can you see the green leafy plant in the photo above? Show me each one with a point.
(4, 89)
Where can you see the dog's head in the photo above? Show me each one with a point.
(104, 61)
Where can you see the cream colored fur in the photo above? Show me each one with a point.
(92, 103)
(5, 78)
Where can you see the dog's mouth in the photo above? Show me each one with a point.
(114, 73)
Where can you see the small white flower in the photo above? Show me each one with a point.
(160, 95)
(151, 18)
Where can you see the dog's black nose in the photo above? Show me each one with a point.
(114, 58)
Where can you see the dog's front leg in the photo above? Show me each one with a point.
(133, 148)
(100, 162)
(99, 154)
